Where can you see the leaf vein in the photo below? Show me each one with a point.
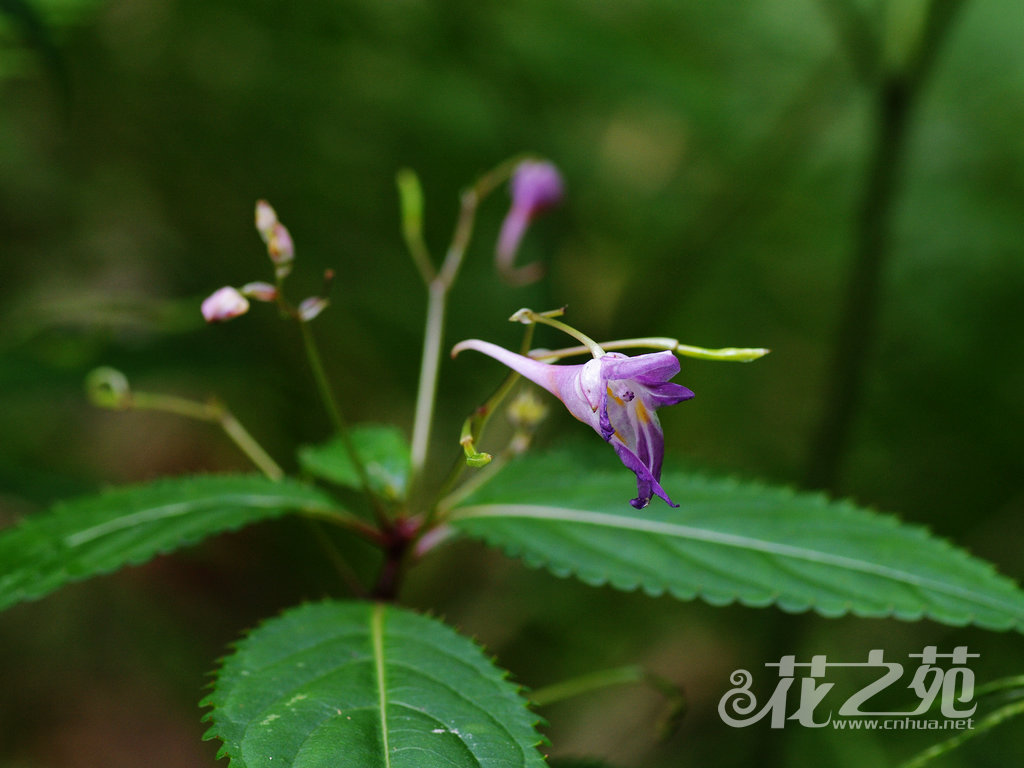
(623, 522)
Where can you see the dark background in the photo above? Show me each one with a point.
(764, 173)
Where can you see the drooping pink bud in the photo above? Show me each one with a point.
(259, 291)
(311, 307)
(281, 250)
(224, 304)
(280, 246)
(535, 187)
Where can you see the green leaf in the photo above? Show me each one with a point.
(97, 534)
(382, 448)
(364, 685)
(731, 541)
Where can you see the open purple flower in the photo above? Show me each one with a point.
(617, 396)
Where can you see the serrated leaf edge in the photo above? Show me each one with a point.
(534, 721)
(726, 539)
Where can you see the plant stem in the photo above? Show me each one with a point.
(438, 289)
(410, 196)
(858, 322)
(527, 316)
(336, 417)
(729, 354)
(214, 413)
(895, 98)
(322, 384)
(249, 446)
(594, 681)
(430, 366)
(674, 697)
(983, 725)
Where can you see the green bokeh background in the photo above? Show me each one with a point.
(716, 156)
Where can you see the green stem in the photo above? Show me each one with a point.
(430, 366)
(1003, 684)
(984, 724)
(337, 419)
(588, 683)
(895, 98)
(323, 385)
(450, 499)
(213, 413)
(528, 316)
(410, 196)
(473, 428)
(727, 354)
(595, 681)
(438, 289)
(241, 437)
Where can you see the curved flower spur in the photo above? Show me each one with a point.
(617, 395)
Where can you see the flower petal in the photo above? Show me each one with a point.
(647, 485)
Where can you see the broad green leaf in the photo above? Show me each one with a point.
(730, 541)
(366, 685)
(382, 448)
(97, 534)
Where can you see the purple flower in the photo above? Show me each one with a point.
(617, 396)
(535, 187)
(224, 304)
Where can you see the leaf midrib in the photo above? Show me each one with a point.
(177, 509)
(377, 638)
(563, 514)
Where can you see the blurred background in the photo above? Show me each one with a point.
(841, 181)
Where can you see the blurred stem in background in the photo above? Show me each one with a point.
(36, 34)
(896, 80)
(896, 86)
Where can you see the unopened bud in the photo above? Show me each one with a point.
(108, 388)
(535, 187)
(266, 218)
(224, 304)
(311, 307)
(259, 291)
(526, 411)
(280, 245)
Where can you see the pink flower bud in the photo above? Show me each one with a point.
(224, 304)
(266, 218)
(280, 245)
(259, 291)
(311, 307)
(535, 187)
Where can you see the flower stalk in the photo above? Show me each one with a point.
(109, 388)
(725, 354)
(528, 316)
(439, 284)
(337, 418)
